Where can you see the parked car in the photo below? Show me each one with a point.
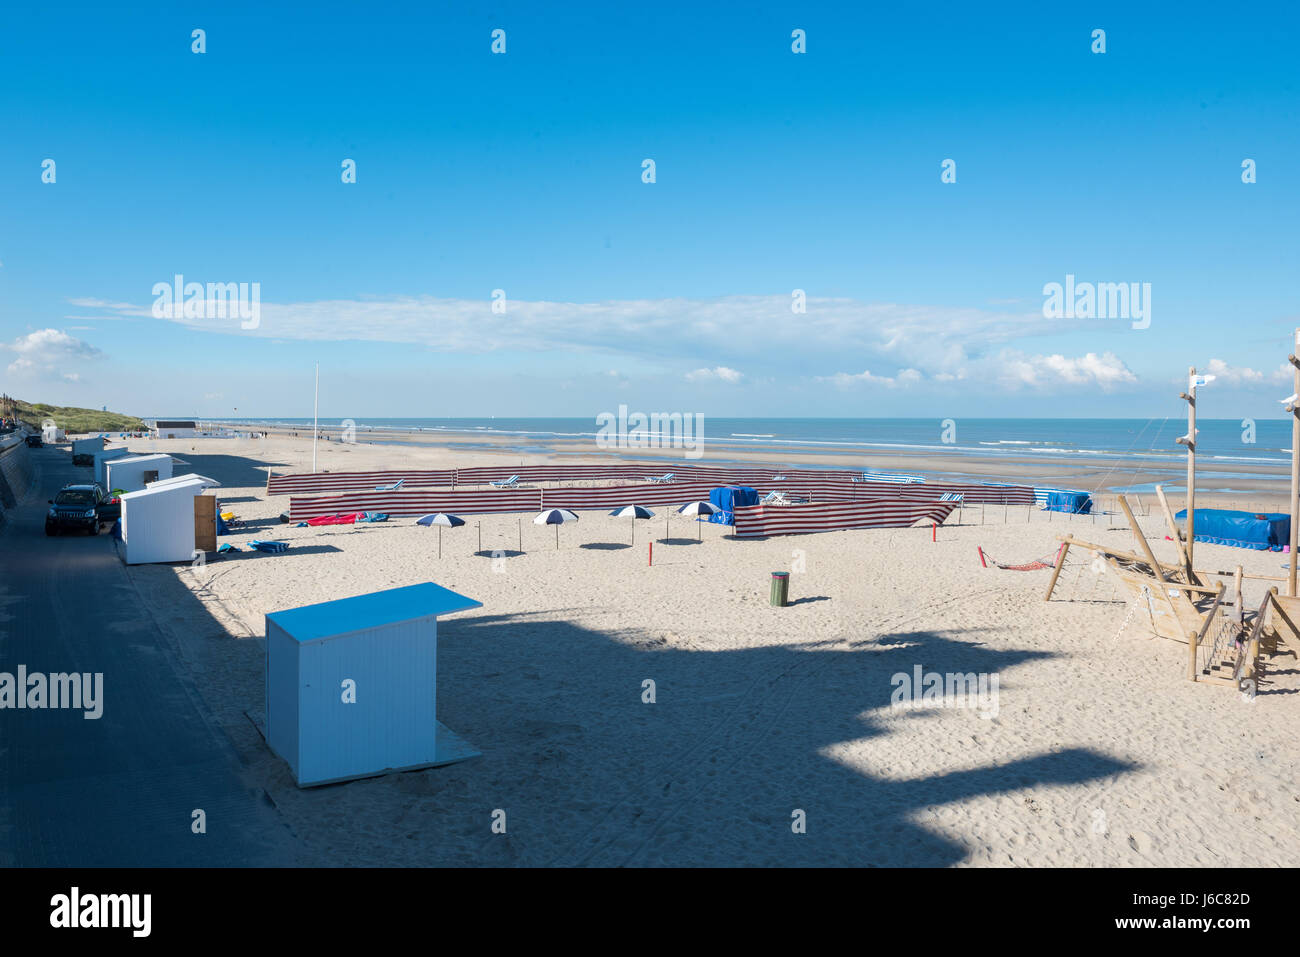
(81, 506)
(34, 441)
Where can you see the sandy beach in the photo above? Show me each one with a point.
(1097, 751)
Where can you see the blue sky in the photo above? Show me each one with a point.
(523, 172)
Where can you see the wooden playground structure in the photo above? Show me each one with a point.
(1227, 643)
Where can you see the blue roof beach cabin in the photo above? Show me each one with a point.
(351, 685)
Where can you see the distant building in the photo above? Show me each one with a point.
(173, 428)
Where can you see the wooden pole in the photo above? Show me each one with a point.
(1239, 612)
(1190, 442)
(1294, 409)
(1060, 563)
(1197, 638)
(1142, 541)
(1252, 647)
(1176, 535)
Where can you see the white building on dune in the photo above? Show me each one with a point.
(173, 428)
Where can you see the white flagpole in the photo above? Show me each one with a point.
(315, 411)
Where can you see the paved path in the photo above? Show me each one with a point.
(119, 790)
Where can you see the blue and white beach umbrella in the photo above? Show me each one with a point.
(556, 517)
(442, 520)
(633, 512)
(697, 509)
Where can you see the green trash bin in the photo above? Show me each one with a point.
(780, 589)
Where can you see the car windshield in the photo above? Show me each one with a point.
(76, 496)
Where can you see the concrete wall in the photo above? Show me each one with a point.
(17, 472)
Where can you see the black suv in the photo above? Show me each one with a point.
(81, 506)
(34, 441)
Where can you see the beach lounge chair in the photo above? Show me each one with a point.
(783, 498)
(506, 483)
(391, 488)
(666, 479)
(893, 478)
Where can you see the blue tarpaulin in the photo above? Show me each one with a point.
(727, 499)
(1262, 531)
(1076, 503)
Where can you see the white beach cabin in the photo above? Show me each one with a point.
(52, 433)
(351, 685)
(158, 524)
(101, 460)
(88, 446)
(177, 479)
(135, 472)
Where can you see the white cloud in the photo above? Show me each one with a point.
(925, 343)
(760, 329)
(719, 373)
(47, 350)
(866, 377)
(114, 310)
(1012, 370)
(1232, 375)
(1105, 371)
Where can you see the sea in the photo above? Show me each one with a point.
(1230, 442)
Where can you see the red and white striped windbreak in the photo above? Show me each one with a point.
(403, 502)
(307, 483)
(347, 481)
(757, 521)
(830, 485)
(484, 501)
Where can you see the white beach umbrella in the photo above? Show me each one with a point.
(633, 512)
(556, 517)
(697, 509)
